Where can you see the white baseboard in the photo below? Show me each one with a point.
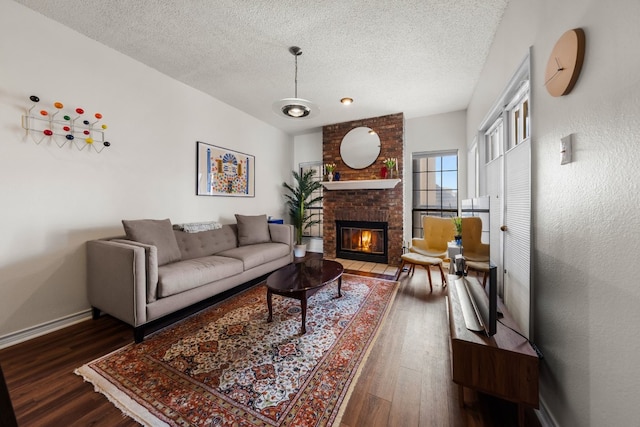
(544, 416)
(43, 328)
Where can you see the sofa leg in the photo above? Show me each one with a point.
(95, 313)
(138, 334)
(7, 414)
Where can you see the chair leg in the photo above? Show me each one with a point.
(428, 268)
(399, 270)
(444, 279)
(412, 269)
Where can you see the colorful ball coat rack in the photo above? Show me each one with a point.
(76, 131)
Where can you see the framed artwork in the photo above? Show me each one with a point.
(224, 172)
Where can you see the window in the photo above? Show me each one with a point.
(518, 111)
(435, 186)
(316, 229)
(494, 138)
(511, 125)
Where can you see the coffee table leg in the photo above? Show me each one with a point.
(269, 304)
(339, 286)
(303, 304)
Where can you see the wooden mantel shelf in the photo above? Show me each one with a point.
(361, 184)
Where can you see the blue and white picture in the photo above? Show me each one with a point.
(224, 172)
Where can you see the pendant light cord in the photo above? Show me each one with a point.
(296, 77)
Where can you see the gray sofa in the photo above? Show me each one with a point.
(156, 270)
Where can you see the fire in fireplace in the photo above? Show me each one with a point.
(362, 241)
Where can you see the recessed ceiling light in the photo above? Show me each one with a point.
(346, 101)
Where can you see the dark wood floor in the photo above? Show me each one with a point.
(405, 382)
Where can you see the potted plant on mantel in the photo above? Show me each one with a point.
(299, 198)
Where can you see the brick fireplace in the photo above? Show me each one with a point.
(368, 205)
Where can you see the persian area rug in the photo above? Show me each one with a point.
(226, 366)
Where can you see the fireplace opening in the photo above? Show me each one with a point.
(362, 241)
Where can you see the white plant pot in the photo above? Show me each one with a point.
(299, 250)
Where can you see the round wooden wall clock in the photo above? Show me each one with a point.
(565, 63)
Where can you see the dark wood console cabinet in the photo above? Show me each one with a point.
(504, 365)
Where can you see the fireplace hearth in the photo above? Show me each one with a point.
(362, 241)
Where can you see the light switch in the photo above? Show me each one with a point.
(565, 149)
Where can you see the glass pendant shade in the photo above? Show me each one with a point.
(294, 108)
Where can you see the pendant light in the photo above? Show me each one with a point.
(295, 108)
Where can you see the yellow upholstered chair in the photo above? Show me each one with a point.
(412, 259)
(476, 253)
(473, 248)
(438, 232)
(431, 250)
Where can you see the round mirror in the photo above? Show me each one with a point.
(360, 147)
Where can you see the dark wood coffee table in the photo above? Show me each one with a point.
(302, 279)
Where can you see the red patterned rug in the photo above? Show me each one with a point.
(226, 366)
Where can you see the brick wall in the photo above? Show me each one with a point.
(365, 205)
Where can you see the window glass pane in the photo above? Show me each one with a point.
(493, 140)
(431, 181)
(449, 180)
(525, 114)
(450, 163)
(437, 163)
(516, 128)
(417, 224)
(434, 199)
(450, 199)
(419, 199)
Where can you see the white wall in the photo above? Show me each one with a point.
(53, 200)
(434, 133)
(586, 230)
(307, 148)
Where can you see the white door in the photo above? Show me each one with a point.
(507, 149)
(516, 233)
(495, 180)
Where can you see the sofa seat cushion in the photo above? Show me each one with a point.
(258, 254)
(184, 275)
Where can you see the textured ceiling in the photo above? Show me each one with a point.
(419, 57)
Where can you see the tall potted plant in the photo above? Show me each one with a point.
(299, 197)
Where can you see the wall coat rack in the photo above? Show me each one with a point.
(72, 128)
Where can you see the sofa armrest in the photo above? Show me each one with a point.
(282, 233)
(116, 280)
(151, 266)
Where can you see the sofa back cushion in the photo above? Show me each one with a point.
(206, 243)
(156, 232)
(252, 229)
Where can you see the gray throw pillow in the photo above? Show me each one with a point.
(252, 229)
(156, 232)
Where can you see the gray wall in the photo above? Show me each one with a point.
(586, 227)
